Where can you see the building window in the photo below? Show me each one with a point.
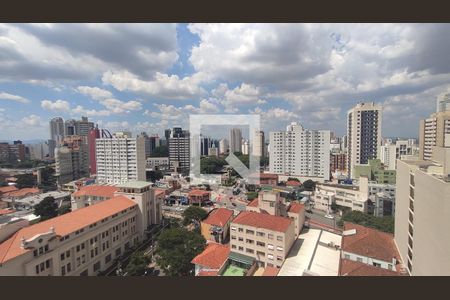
(270, 246)
(233, 246)
(248, 250)
(279, 258)
(260, 244)
(359, 259)
(279, 248)
(240, 239)
(241, 248)
(233, 228)
(47, 263)
(248, 231)
(241, 229)
(118, 251)
(69, 267)
(68, 253)
(108, 258)
(376, 264)
(62, 256)
(63, 270)
(233, 237)
(97, 266)
(347, 256)
(270, 236)
(260, 233)
(249, 241)
(279, 238)
(270, 256)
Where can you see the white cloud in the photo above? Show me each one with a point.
(162, 85)
(94, 92)
(7, 96)
(58, 105)
(33, 120)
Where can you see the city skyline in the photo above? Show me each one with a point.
(167, 71)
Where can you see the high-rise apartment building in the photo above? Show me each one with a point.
(205, 144)
(78, 127)
(443, 103)
(120, 158)
(151, 143)
(72, 159)
(94, 133)
(390, 152)
(235, 140)
(258, 144)
(338, 162)
(422, 213)
(434, 131)
(179, 150)
(245, 146)
(300, 152)
(56, 134)
(363, 133)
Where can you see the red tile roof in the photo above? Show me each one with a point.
(96, 190)
(207, 273)
(354, 268)
(268, 176)
(293, 183)
(198, 193)
(6, 211)
(6, 189)
(254, 203)
(64, 224)
(370, 242)
(270, 271)
(261, 220)
(296, 207)
(213, 257)
(22, 192)
(219, 217)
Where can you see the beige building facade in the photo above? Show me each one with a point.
(434, 131)
(421, 214)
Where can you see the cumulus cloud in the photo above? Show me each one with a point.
(162, 85)
(57, 106)
(94, 92)
(33, 120)
(11, 97)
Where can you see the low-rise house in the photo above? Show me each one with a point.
(91, 194)
(217, 225)
(371, 247)
(198, 197)
(261, 237)
(212, 260)
(349, 267)
(21, 193)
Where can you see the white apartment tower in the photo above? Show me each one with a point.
(223, 146)
(120, 158)
(235, 140)
(300, 152)
(363, 133)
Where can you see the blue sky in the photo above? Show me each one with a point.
(148, 77)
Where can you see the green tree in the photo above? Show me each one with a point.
(161, 151)
(385, 224)
(46, 209)
(137, 264)
(293, 179)
(309, 185)
(64, 210)
(154, 175)
(48, 179)
(25, 181)
(211, 164)
(252, 195)
(193, 213)
(175, 250)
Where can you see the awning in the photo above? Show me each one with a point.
(241, 258)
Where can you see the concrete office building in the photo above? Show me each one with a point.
(235, 140)
(364, 134)
(83, 242)
(422, 213)
(179, 150)
(300, 152)
(78, 127)
(434, 131)
(390, 152)
(151, 143)
(72, 159)
(120, 158)
(56, 134)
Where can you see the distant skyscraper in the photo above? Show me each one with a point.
(78, 127)
(443, 103)
(364, 134)
(300, 152)
(56, 134)
(235, 140)
(120, 158)
(72, 159)
(151, 143)
(205, 144)
(94, 133)
(179, 149)
(245, 146)
(224, 146)
(258, 144)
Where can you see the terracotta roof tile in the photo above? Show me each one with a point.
(64, 224)
(354, 268)
(254, 203)
(6, 211)
(6, 189)
(96, 190)
(198, 193)
(261, 220)
(370, 242)
(219, 217)
(207, 273)
(270, 271)
(213, 257)
(22, 192)
(296, 207)
(292, 183)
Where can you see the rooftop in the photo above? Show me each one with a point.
(213, 257)
(134, 184)
(354, 268)
(296, 207)
(260, 220)
(198, 193)
(254, 203)
(6, 189)
(270, 271)
(96, 190)
(369, 242)
(293, 183)
(219, 217)
(22, 192)
(207, 273)
(64, 224)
